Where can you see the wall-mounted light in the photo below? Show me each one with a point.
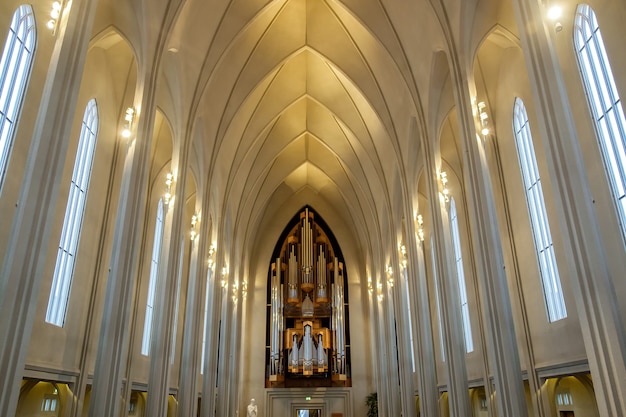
(483, 118)
(211, 260)
(129, 116)
(554, 14)
(244, 289)
(55, 14)
(169, 179)
(389, 271)
(420, 227)
(194, 222)
(443, 178)
(235, 291)
(224, 274)
(404, 262)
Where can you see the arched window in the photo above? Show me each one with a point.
(73, 221)
(604, 101)
(553, 293)
(458, 259)
(15, 64)
(154, 273)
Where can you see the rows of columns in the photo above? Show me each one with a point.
(592, 283)
(21, 276)
(602, 328)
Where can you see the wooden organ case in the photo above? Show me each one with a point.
(307, 332)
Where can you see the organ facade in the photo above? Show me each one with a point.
(307, 334)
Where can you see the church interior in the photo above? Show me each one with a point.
(312, 208)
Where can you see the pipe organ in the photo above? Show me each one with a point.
(307, 334)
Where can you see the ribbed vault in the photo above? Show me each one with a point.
(293, 96)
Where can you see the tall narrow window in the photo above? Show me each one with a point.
(73, 221)
(15, 65)
(154, 273)
(458, 259)
(433, 261)
(553, 293)
(405, 274)
(178, 283)
(605, 103)
(206, 314)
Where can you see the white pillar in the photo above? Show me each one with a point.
(161, 343)
(454, 344)
(112, 354)
(405, 350)
(194, 316)
(592, 283)
(209, 379)
(422, 328)
(496, 304)
(22, 268)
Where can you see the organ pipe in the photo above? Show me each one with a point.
(276, 325)
(307, 333)
(321, 275)
(293, 274)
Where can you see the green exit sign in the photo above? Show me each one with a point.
(308, 398)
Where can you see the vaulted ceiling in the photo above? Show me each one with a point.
(286, 98)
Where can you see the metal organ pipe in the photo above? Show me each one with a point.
(276, 324)
(321, 274)
(281, 325)
(307, 246)
(293, 273)
(307, 334)
(307, 228)
(340, 329)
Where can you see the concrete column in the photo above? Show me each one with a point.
(224, 347)
(405, 347)
(592, 283)
(379, 345)
(22, 268)
(235, 351)
(387, 378)
(391, 321)
(92, 317)
(454, 344)
(422, 328)
(527, 354)
(497, 313)
(194, 316)
(111, 358)
(209, 380)
(161, 343)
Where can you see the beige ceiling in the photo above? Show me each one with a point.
(294, 95)
(286, 98)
